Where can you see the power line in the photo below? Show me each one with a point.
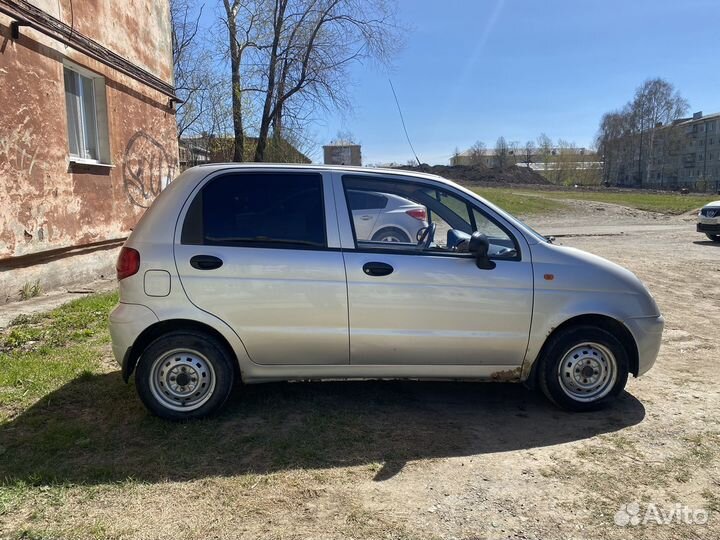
(403, 122)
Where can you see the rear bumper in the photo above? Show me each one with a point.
(647, 332)
(127, 322)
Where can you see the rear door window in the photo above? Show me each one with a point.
(260, 210)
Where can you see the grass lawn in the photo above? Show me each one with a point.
(527, 202)
(40, 353)
(518, 203)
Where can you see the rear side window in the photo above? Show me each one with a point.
(258, 209)
(366, 201)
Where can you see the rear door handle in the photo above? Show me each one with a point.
(206, 262)
(377, 269)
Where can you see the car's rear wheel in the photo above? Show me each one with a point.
(184, 375)
(390, 234)
(583, 368)
(713, 237)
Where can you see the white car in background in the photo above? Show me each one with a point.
(384, 217)
(709, 221)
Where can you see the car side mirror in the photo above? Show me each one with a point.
(480, 246)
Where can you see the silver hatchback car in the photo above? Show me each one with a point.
(257, 273)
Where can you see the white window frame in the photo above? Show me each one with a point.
(99, 101)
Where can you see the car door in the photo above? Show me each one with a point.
(260, 250)
(365, 208)
(409, 306)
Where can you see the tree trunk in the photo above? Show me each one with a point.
(277, 126)
(267, 114)
(235, 57)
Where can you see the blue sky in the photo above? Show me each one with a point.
(475, 70)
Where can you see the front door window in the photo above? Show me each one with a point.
(410, 211)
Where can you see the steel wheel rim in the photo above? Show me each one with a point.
(182, 380)
(587, 372)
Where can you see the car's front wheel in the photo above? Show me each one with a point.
(583, 368)
(184, 375)
(713, 237)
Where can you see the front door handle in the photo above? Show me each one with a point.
(377, 269)
(366, 218)
(206, 262)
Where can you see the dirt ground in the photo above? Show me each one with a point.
(457, 460)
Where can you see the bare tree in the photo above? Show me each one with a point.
(544, 149)
(565, 163)
(656, 102)
(311, 44)
(627, 137)
(529, 153)
(477, 153)
(614, 146)
(241, 19)
(502, 153)
(345, 137)
(188, 64)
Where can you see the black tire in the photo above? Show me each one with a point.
(581, 337)
(391, 231)
(205, 358)
(713, 237)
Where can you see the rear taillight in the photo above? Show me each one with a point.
(128, 263)
(417, 213)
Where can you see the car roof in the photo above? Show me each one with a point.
(212, 167)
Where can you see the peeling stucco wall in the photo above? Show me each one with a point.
(45, 202)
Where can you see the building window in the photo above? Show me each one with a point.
(86, 116)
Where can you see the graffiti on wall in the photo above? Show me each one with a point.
(147, 169)
(19, 148)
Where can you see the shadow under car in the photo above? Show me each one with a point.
(95, 430)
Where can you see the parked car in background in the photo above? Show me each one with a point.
(709, 221)
(384, 217)
(258, 273)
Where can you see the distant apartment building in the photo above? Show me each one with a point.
(342, 153)
(687, 153)
(87, 133)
